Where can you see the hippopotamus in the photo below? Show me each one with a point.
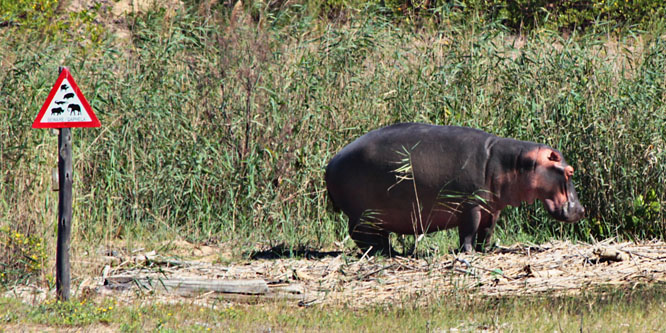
(414, 178)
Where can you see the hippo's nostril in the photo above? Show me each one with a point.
(579, 211)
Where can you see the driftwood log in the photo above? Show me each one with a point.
(236, 289)
(189, 285)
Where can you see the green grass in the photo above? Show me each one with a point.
(212, 133)
(608, 309)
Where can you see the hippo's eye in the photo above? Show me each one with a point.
(559, 169)
(554, 157)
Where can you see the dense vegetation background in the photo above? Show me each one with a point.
(218, 120)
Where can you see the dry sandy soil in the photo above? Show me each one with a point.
(194, 274)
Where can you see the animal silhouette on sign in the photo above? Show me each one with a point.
(74, 108)
(57, 111)
(60, 102)
(69, 95)
(64, 87)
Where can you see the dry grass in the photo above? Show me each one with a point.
(557, 268)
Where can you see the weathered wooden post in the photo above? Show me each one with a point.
(64, 212)
(67, 108)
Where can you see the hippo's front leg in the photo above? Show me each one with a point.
(486, 228)
(469, 225)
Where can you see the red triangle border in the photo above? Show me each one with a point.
(65, 74)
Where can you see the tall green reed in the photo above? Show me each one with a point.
(220, 131)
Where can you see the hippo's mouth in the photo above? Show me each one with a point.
(570, 211)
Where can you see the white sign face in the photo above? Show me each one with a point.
(65, 106)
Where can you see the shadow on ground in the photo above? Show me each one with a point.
(283, 251)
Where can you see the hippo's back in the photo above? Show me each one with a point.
(383, 171)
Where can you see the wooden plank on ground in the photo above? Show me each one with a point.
(190, 285)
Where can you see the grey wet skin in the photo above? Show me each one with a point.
(416, 178)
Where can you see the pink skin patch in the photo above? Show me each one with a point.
(568, 172)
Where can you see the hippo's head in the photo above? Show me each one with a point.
(552, 182)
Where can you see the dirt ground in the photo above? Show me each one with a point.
(336, 278)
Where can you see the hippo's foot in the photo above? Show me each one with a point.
(478, 247)
(484, 247)
(377, 249)
(372, 241)
(466, 248)
(376, 246)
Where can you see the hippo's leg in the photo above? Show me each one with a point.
(469, 225)
(486, 230)
(368, 236)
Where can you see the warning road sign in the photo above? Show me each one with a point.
(65, 106)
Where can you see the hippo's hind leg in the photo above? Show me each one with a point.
(368, 235)
(468, 227)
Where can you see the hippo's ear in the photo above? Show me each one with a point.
(555, 157)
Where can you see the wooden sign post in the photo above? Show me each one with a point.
(64, 212)
(67, 108)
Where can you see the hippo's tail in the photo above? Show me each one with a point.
(331, 201)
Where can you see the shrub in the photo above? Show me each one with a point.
(22, 256)
(520, 15)
(567, 15)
